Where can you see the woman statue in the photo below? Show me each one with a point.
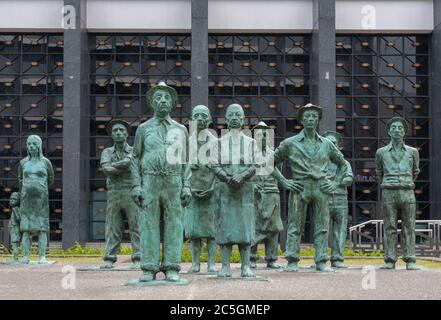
(35, 174)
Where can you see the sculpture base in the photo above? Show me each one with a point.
(115, 268)
(31, 263)
(256, 278)
(199, 273)
(156, 283)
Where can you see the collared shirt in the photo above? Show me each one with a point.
(310, 164)
(110, 155)
(160, 148)
(336, 174)
(397, 173)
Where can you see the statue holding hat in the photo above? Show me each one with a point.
(338, 204)
(308, 155)
(397, 167)
(199, 214)
(116, 165)
(267, 204)
(160, 185)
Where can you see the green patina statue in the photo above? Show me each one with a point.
(338, 204)
(267, 197)
(308, 155)
(35, 174)
(160, 184)
(116, 165)
(199, 214)
(397, 166)
(14, 225)
(235, 215)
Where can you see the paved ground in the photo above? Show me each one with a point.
(46, 282)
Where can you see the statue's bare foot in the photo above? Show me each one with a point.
(25, 260)
(253, 264)
(107, 265)
(172, 275)
(225, 272)
(322, 267)
(412, 266)
(136, 265)
(388, 266)
(42, 260)
(338, 264)
(246, 272)
(147, 276)
(211, 268)
(273, 265)
(292, 267)
(195, 267)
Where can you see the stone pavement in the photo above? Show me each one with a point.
(46, 282)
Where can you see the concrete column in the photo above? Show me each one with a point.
(322, 61)
(199, 52)
(76, 129)
(435, 103)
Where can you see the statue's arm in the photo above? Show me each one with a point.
(416, 164)
(347, 178)
(186, 169)
(280, 154)
(136, 158)
(50, 172)
(20, 174)
(106, 165)
(337, 157)
(379, 165)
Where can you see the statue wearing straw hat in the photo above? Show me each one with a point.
(338, 204)
(397, 167)
(116, 165)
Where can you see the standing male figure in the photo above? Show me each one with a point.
(199, 214)
(338, 204)
(308, 155)
(116, 165)
(397, 166)
(14, 225)
(160, 184)
(268, 220)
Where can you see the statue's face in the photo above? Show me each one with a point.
(14, 201)
(162, 103)
(333, 139)
(32, 145)
(119, 133)
(235, 117)
(396, 130)
(310, 119)
(202, 116)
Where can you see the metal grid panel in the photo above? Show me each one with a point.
(378, 77)
(31, 102)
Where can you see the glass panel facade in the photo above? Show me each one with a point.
(123, 68)
(378, 77)
(31, 102)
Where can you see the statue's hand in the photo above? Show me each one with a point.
(185, 196)
(236, 181)
(122, 164)
(346, 181)
(328, 187)
(137, 196)
(292, 185)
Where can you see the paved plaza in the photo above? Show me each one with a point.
(50, 282)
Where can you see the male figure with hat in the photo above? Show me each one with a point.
(267, 202)
(116, 165)
(160, 181)
(397, 167)
(308, 155)
(14, 225)
(199, 214)
(338, 204)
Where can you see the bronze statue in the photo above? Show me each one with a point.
(14, 225)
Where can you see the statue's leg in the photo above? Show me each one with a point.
(26, 244)
(321, 226)
(226, 254)
(297, 207)
(254, 256)
(271, 250)
(339, 231)
(42, 244)
(173, 229)
(195, 249)
(211, 248)
(114, 226)
(15, 242)
(132, 213)
(408, 233)
(149, 219)
(390, 226)
(245, 251)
